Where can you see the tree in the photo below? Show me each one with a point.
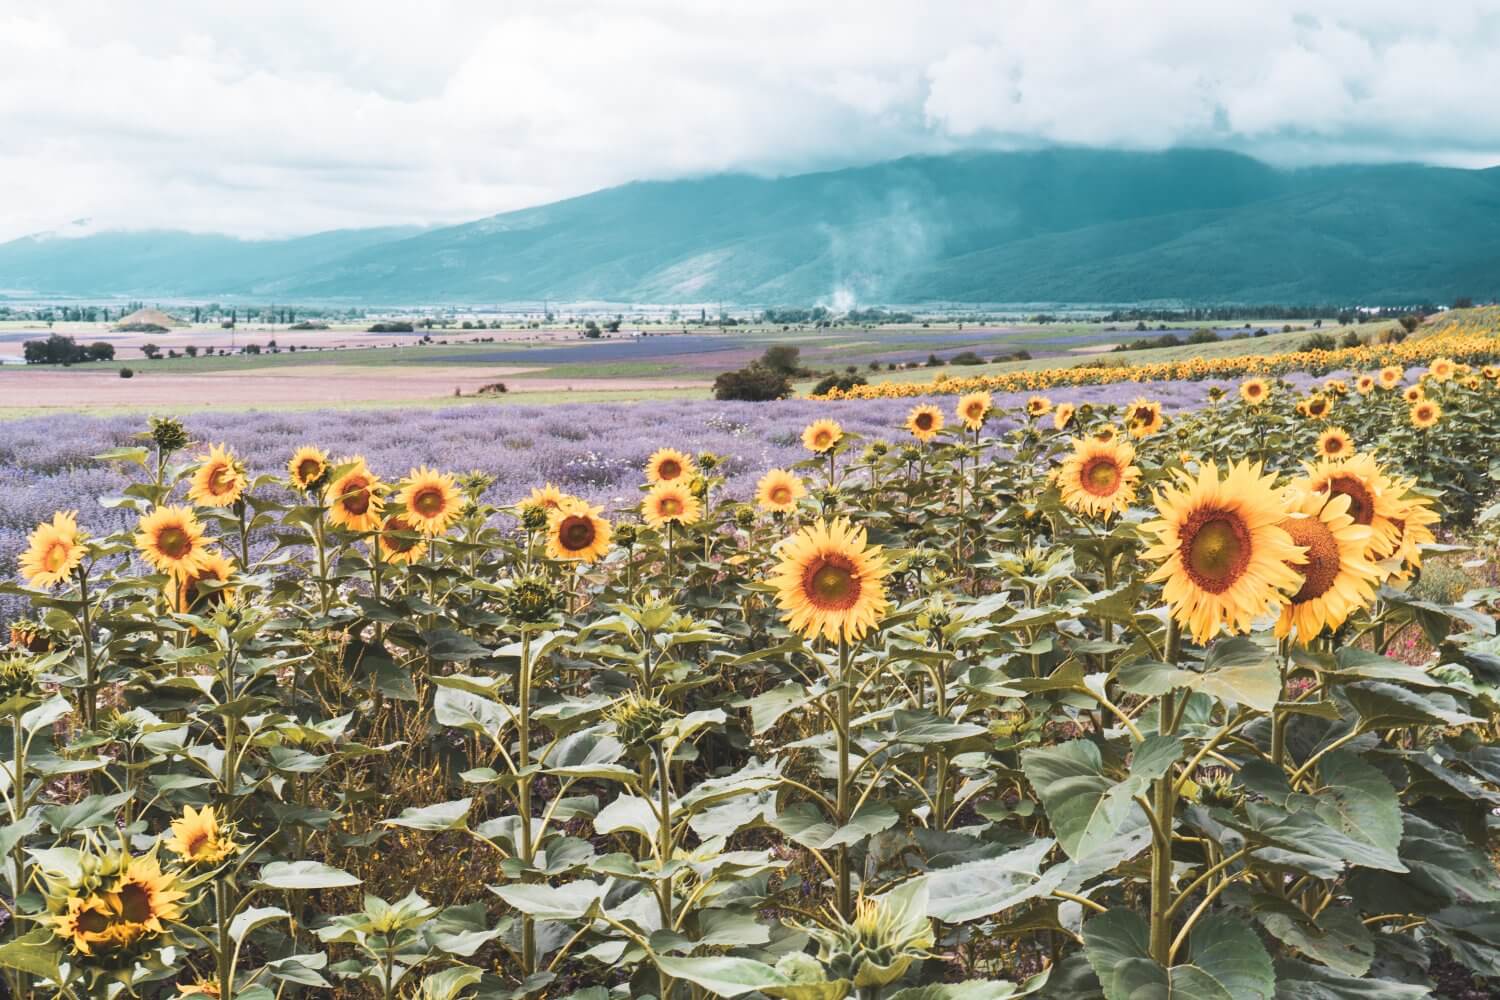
(101, 350)
(613, 326)
(151, 351)
(591, 330)
(754, 383)
(783, 358)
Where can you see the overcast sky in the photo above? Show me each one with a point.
(283, 116)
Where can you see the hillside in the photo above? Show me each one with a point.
(1056, 225)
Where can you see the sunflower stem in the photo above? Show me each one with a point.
(845, 896)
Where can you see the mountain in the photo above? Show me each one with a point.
(1060, 225)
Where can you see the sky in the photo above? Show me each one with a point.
(280, 116)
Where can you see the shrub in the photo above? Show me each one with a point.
(966, 358)
(843, 382)
(392, 326)
(754, 383)
(127, 372)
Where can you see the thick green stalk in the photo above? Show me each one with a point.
(1164, 805)
(523, 791)
(845, 896)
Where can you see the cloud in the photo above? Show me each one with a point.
(282, 117)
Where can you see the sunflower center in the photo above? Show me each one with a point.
(92, 921)
(670, 506)
(394, 541)
(222, 480)
(576, 533)
(308, 470)
(1254, 390)
(174, 542)
(924, 421)
(1215, 548)
(831, 583)
(1361, 502)
(1100, 476)
(781, 494)
(1323, 561)
(135, 902)
(55, 556)
(1142, 415)
(1333, 446)
(820, 439)
(1316, 407)
(669, 468)
(428, 502)
(356, 498)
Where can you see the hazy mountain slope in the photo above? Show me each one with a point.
(1054, 225)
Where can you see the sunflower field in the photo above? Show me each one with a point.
(1086, 700)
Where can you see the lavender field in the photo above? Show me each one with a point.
(593, 450)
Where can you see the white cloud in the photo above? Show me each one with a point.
(282, 116)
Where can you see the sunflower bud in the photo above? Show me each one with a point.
(708, 461)
(880, 943)
(625, 534)
(534, 518)
(19, 686)
(745, 517)
(29, 636)
(168, 435)
(530, 600)
(1219, 791)
(1215, 393)
(640, 721)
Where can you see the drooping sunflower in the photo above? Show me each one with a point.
(53, 551)
(1225, 560)
(1038, 406)
(1338, 577)
(1442, 369)
(432, 500)
(1099, 477)
(198, 838)
(1336, 387)
(1391, 376)
(1413, 522)
(1063, 416)
(821, 435)
(171, 540)
(778, 491)
(1335, 442)
(547, 498)
(973, 408)
(401, 542)
(189, 596)
(670, 503)
(1364, 385)
(830, 582)
(307, 467)
(667, 464)
(1413, 394)
(145, 896)
(1315, 407)
(924, 422)
(356, 498)
(1143, 417)
(1106, 433)
(1371, 500)
(1491, 372)
(576, 531)
(1255, 391)
(87, 922)
(1426, 414)
(220, 480)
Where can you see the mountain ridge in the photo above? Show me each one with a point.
(1056, 225)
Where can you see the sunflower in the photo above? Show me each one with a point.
(145, 896)
(575, 530)
(1255, 391)
(201, 988)
(1098, 479)
(1413, 521)
(53, 550)
(1106, 433)
(670, 503)
(1143, 417)
(307, 467)
(821, 435)
(1441, 369)
(1335, 442)
(548, 498)
(1338, 577)
(198, 839)
(1364, 384)
(667, 464)
(431, 499)
(401, 541)
(1414, 394)
(1391, 376)
(354, 498)
(1315, 407)
(1426, 414)
(88, 922)
(1224, 558)
(778, 491)
(1063, 416)
(1038, 406)
(829, 582)
(1491, 372)
(1371, 500)
(924, 422)
(188, 596)
(220, 480)
(973, 408)
(1336, 387)
(171, 540)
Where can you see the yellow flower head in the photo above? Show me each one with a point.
(1335, 443)
(974, 408)
(189, 595)
(924, 422)
(1038, 406)
(1364, 384)
(1414, 394)
(667, 464)
(1099, 477)
(1338, 577)
(171, 540)
(307, 467)
(1441, 369)
(1371, 500)
(821, 435)
(1426, 414)
(548, 498)
(53, 551)
(356, 498)
(670, 502)
(1255, 391)
(1143, 417)
(577, 532)
(1391, 376)
(778, 491)
(1063, 416)
(432, 501)
(220, 479)
(401, 542)
(1413, 519)
(829, 582)
(198, 839)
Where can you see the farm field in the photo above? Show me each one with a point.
(961, 694)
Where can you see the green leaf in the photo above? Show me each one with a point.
(552, 902)
(1362, 803)
(1228, 962)
(1087, 808)
(256, 916)
(977, 889)
(722, 975)
(301, 969)
(443, 816)
(90, 812)
(1303, 981)
(37, 952)
(1337, 937)
(1236, 670)
(304, 875)
(1386, 706)
(449, 983)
